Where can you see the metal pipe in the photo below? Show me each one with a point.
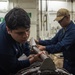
(43, 56)
(72, 8)
(41, 13)
(46, 15)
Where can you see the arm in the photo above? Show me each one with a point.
(10, 63)
(26, 49)
(43, 43)
(54, 40)
(59, 45)
(63, 44)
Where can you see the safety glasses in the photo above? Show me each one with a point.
(61, 19)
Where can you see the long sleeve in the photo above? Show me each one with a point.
(26, 49)
(8, 54)
(54, 40)
(11, 64)
(61, 41)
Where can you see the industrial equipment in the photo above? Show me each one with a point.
(47, 67)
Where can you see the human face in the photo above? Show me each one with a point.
(20, 35)
(62, 22)
(61, 19)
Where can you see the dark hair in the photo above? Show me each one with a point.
(16, 18)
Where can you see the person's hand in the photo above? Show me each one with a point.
(30, 56)
(40, 47)
(36, 57)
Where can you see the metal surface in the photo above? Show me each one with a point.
(43, 56)
(48, 64)
(47, 67)
(47, 61)
(34, 69)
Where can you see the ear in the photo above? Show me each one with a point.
(8, 30)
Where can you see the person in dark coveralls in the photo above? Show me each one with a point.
(63, 41)
(14, 33)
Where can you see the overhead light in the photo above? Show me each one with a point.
(3, 0)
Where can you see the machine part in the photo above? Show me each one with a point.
(29, 70)
(48, 64)
(47, 67)
(43, 56)
(34, 69)
(47, 61)
(63, 71)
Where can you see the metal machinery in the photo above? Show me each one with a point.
(47, 67)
